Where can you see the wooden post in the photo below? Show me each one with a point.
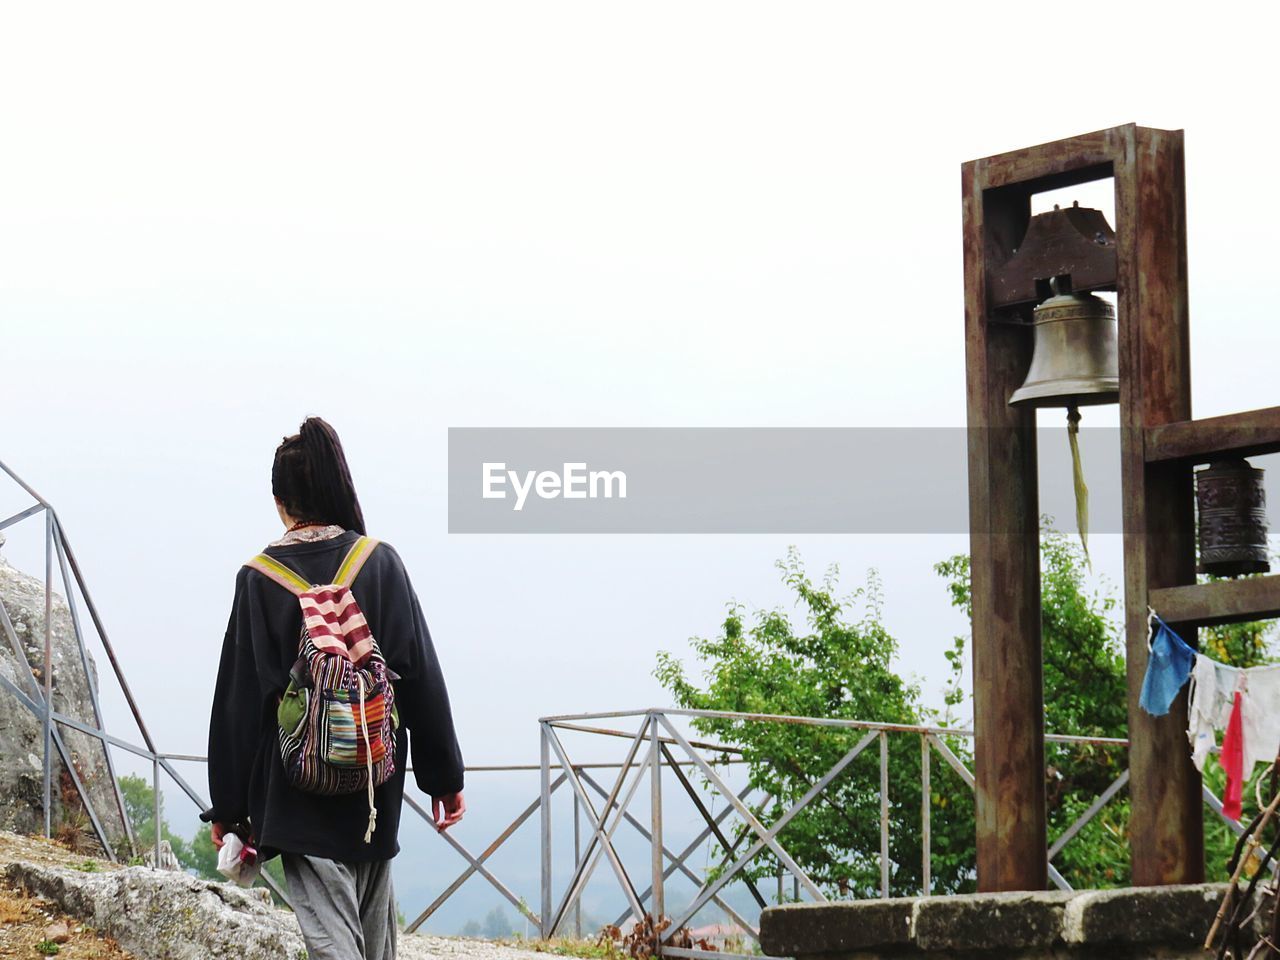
(1166, 826)
(1005, 565)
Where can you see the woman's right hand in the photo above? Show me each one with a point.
(216, 833)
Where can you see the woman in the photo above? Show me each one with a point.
(339, 878)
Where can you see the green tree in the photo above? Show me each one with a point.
(1239, 644)
(838, 665)
(842, 666)
(1085, 694)
(139, 804)
(497, 924)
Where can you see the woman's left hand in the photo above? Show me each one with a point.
(448, 810)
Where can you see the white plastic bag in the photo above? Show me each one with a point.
(235, 864)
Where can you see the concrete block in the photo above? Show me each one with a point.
(810, 928)
(1170, 916)
(990, 921)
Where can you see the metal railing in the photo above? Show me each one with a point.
(658, 744)
(38, 696)
(654, 747)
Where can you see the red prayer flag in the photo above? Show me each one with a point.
(1233, 762)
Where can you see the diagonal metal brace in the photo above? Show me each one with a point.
(746, 814)
(475, 863)
(677, 860)
(474, 866)
(821, 784)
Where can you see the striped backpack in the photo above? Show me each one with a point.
(337, 717)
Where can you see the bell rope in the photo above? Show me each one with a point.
(1077, 476)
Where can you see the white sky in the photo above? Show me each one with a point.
(215, 220)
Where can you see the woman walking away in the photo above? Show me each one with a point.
(326, 664)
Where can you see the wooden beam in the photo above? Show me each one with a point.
(1248, 434)
(1062, 163)
(1221, 601)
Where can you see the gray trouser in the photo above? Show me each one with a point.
(347, 911)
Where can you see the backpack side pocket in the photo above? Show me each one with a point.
(292, 711)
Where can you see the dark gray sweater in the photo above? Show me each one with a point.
(246, 776)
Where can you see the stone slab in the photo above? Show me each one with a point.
(793, 929)
(1171, 916)
(1135, 922)
(989, 921)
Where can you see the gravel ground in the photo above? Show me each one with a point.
(416, 946)
(28, 923)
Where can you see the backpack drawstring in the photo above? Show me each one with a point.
(368, 760)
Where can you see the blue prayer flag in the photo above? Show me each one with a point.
(1168, 668)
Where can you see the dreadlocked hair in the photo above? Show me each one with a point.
(311, 478)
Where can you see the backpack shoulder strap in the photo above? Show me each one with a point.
(275, 570)
(354, 561)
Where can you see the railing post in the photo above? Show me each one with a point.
(69, 586)
(884, 814)
(48, 672)
(545, 820)
(155, 788)
(577, 858)
(655, 829)
(926, 819)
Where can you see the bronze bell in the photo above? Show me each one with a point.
(1075, 358)
(1232, 507)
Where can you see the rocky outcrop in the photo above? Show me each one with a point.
(21, 736)
(158, 913)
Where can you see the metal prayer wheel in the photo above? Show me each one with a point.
(1075, 358)
(1232, 507)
